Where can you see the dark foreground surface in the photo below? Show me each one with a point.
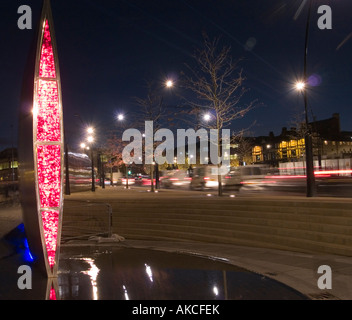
(120, 273)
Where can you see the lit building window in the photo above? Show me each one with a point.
(291, 149)
(257, 154)
(14, 164)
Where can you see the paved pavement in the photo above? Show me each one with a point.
(297, 270)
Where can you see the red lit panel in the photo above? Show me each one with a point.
(50, 226)
(52, 295)
(49, 173)
(48, 117)
(47, 62)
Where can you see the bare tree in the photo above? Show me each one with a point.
(298, 122)
(152, 108)
(112, 148)
(217, 82)
(244, 147)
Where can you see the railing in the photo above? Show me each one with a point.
(85, 219)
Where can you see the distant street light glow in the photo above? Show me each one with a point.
(169, 83)
(83, 145)
(300, 85)
(206, 117)
(120, 117)
(90, 130)
(90, 139)
(216, 290)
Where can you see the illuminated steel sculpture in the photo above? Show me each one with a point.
(48, 141)
(45, 171)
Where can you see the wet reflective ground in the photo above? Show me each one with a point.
(125, 273)
(140, 274)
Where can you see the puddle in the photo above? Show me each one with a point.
(120, 273)
(142, 274)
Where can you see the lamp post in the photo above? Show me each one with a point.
(121, 117)
(102, 171)
(311, 188)
(90, 140)
(207, 117)
(302, 86)
(85, 147)
(67, 171)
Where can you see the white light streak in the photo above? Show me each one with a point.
(148, 270)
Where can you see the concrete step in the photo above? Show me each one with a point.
(331, 203)
(134, 234)
(238, 238)
(213, 215)
(258, 232)
(305, 225)
(226, 214)
(233, 221)
(335, 211)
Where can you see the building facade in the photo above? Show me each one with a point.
(329, 142)
(8, 165)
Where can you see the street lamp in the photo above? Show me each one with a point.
(121, 117)
(90, 140)
(311, 188)
(300, 85)
(169, 83)
(85, 147)
(207, 117)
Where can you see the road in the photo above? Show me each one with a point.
(332, 187)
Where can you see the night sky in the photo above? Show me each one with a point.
(108, 49)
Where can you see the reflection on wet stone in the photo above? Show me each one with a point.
(139, 274)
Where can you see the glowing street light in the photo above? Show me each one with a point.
(300, 85)
(169, 83)
(83, 145)
(120, 117)
(90, 130)
(207, 117)
(90, 139)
